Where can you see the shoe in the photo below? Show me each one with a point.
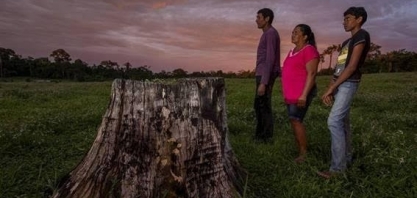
(326, 174)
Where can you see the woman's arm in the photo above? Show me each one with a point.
(311, 68)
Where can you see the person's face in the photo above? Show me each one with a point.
(261, 21)
(297, 36)
(350, 22)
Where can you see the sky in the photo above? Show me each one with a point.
(194, 35)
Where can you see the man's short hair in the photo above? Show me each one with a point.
(266, 12)
(357, 12)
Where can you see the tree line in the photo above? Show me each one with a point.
(59, 65)
(376, 62)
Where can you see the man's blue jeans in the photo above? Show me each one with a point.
(339, 126)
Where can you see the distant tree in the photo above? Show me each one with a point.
(403, 61)
(6, 54)
(140, 73)
(18, 66)
(387, 62)
(179, 73)
(62, 63)
(43, 68)
(329, 51)
(219, 73)
(246, 74)
(197, 74)
(211, 73)
(80, 71)
(60, 56)
(30, 62)
(163, 74)
(321, 60)
(109, 64)
(230, 75)
(373, 62)
(6, 57)
(127, 66)
(374, 51)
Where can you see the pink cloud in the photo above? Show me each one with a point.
(163, 4)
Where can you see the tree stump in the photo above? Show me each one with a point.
(160, 139)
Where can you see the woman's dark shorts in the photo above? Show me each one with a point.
(297, 113)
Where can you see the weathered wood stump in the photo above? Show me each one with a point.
(164, 139)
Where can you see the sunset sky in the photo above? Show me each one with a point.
(195, 35)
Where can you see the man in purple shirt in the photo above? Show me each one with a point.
(267, 70)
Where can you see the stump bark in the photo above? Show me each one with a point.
(160, 139)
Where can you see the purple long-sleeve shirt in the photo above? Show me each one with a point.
(268, 55)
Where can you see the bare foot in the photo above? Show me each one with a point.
(326, 174)
(300, 159)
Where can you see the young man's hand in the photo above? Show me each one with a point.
(327, 97)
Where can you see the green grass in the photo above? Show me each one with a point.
(46, 128)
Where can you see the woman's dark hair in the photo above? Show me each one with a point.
(357, 12)
(306, 30)
(266, 12)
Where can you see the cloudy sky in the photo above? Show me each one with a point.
(195, 35)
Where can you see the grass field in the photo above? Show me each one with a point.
(46, 128)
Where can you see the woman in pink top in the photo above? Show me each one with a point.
(298, 82)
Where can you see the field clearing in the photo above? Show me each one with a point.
(46, 128)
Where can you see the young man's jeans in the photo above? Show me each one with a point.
(263, 111)
(339, 126)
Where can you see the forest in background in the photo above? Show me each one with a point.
(59, 65)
